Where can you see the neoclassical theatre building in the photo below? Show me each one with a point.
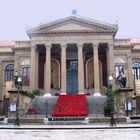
(71, 54)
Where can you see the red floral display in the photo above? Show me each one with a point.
(57, 94)
(87, 93)
(70, 105)
(31, 110)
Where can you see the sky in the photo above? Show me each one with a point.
(16, 16)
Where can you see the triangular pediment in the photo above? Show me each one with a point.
(73, 24)
(70, 27)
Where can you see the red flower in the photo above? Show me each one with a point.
(57, 94)
(70, 105)
(31, 110)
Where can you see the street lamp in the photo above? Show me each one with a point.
(111, 101)
(19, 86)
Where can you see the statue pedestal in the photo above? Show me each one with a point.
(24, 101)
(122, 100)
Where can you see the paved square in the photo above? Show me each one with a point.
(90, 134)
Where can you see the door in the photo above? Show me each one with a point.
(72, 76)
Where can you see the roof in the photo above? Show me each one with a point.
(73, 24)
(136, 47)
(135, 40)
(5, 50)
(7, 43)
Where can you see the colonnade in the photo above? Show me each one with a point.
(47, 76)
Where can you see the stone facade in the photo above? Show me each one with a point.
(71, 54)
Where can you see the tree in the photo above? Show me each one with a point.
(109, 105)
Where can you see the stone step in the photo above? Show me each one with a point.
(66, 121)
(95, 104)
(45, 105)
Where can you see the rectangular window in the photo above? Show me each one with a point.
(26, 76)
(118, 69)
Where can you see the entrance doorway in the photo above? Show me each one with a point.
(72, 76)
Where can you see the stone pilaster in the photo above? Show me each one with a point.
(110, 58)
(36, 71)
(1, 79)
(48, 69)
(16, 63)
(33, 68)
(63, 68)
(80, 69)
(96, 70)
(130, 74)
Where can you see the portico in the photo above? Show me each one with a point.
(71, 54)
(69, 64)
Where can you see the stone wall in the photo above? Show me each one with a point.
(24, 102)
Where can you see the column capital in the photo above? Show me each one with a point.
(129, 54)
(80, 45)
(95, 44)
(63, 45)
(110, 45)
(34, 46)
(47, 45)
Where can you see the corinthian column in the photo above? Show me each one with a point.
(63, 68)
(80, 69)
(33, 68)
(48, 68)
(96, 71)
(110, 58)
(37, 61)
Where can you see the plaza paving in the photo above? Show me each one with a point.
(70, 132)
(86, 126)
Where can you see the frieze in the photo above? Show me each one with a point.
(67, 37)
(66, 40)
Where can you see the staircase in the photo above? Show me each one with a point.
(70, 105)
(46, 105)
(95, 105)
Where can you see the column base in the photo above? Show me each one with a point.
(47, 95)
(63, 93)
(81, 93)
(97, 94)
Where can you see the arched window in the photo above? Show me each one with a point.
(136, 70)
(9, 72)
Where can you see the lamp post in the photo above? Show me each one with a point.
(19, 86)
(111, 101)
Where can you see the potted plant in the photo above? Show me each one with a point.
(110, 101)
(57, 89)
(33, 93)
(88, 93)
